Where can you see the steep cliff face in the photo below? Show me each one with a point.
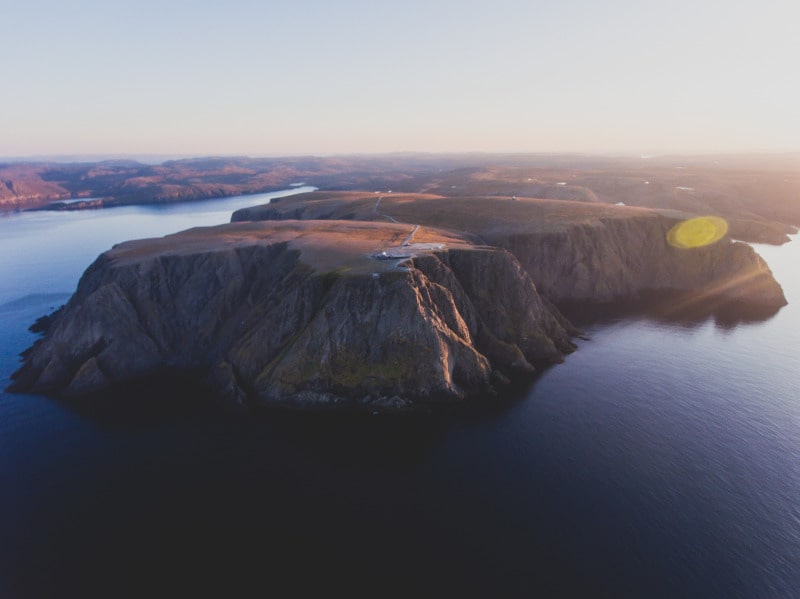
(622, 259)
(363, 312)
(573, 251)
(258, 313)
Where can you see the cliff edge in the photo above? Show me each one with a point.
(306, 315)
(574, 251)
(375, 302)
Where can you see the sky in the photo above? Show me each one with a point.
(260, 77)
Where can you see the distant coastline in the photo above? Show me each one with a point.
(758, 198)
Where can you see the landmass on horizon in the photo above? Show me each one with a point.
(758, 195)
(379, 301)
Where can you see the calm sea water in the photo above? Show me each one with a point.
(661, 460)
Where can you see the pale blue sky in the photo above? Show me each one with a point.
(248, 77)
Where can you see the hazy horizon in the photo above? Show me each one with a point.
(768, 158)
(311, 78)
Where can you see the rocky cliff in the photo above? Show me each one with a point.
(573, 251)
(365, 311)
(614, 259)
(305, 315)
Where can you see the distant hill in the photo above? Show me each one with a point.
(759, 194)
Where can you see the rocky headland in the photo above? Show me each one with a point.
(307, 315)
(368, 301)
(573, 251)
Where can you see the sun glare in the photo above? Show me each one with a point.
(697, 232)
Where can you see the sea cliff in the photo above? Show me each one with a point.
(303, 315)
(575, 252)
(372, 302)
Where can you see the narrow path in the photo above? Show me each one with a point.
(379, 213)
(408, 239)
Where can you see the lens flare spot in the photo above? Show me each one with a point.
(697, 232)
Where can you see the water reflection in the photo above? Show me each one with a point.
(181, 400)
(686, 310)
(656, 461)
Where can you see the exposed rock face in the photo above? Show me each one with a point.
(622, 259)
(268, 317)
(573, 251)
(363, 312)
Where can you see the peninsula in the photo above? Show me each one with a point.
(383, 302)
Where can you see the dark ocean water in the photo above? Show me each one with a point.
(662, 459)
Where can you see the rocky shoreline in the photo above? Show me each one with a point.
(364, 313)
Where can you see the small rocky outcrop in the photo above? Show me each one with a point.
(300, 315)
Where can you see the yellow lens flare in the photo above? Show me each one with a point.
(697, 232)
